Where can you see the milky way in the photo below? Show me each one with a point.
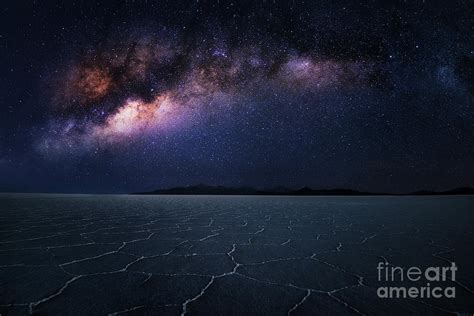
(130, 96)
(144, 84)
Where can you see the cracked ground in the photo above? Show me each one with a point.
(241, 255)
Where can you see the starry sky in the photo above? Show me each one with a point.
(126, 96)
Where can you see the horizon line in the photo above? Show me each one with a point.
(259, 192)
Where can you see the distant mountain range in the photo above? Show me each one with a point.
(305, 191)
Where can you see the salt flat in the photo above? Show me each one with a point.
(233, 255)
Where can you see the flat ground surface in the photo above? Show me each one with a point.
(79, 254)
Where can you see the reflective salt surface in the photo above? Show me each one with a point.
(86, 254)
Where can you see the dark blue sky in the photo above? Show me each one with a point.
(109, 97)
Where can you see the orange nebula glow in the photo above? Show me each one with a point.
(137, 116)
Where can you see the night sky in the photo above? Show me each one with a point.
(140, 95)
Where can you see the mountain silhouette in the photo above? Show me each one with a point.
(203, 189)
